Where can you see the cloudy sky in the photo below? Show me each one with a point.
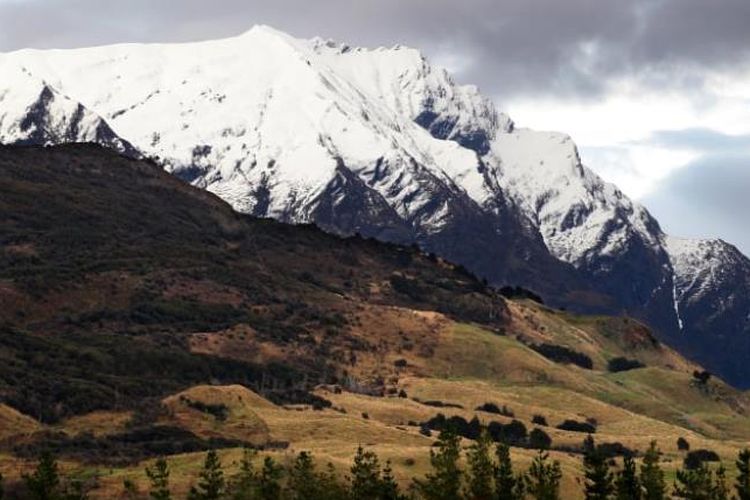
(655, 92)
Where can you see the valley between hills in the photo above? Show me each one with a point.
(142, 317)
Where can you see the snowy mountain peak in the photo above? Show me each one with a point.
(33, 112)
(377, 141)
(704, 266)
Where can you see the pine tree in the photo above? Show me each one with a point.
(365, 483)
(444, 482)
(245, 484)
(627, 485)
(543, 478)
(331, 487)
(44, 483)
(507, 486)
(269, 487)
(721, 489)
(481, 469)
(701, 484)
(652, 477)
(303, 482)
(389, 489)
(211, 485)
(159, 479)
(742, 484)
(598, 484)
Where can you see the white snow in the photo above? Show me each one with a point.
(63, 118)
(267, 110)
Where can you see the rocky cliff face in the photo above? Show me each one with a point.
(381, 143)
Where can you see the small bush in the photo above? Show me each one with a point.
(440, 404)
(513, 433)
(539, 440)
(575, 426)
(616, 449)
(561, 354)
(695, 458)
(493, 408)
(682, 444)
(701, 377)
(517, 292)
(539, 420)
(621, 364)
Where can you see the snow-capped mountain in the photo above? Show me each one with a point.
(712, 298)
(33, 112)
(372, 141)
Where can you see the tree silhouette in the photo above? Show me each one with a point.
(598, 483)
(543, 478)
(481, 469)
(507, 485)
(701, 484)
(269, 487)
(742, 484)
(211, 484)
(444, 482)
(365, 475)
(627, 485)
(303, 482)
(652, 476)
(389, 489)
(158, 476)
(245, 484)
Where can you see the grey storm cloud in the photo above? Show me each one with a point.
(509, 47)
(701, 139)
(709, 197)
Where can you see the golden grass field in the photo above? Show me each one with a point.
(458, 364)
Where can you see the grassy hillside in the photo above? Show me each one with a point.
(142, 317)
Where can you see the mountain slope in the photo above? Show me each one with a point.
(381, 143)
(136, 311)
(712, 297)
(108, 288)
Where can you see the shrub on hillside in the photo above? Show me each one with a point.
(517, 292)
(576, 426)
(493, 408)
(621, 364)
(539, 420)
(540, 440)
(561, 354)
(615, 449)
(701, 377)
(514, 433)
(440, 404)
(695, 458)
(682, 444)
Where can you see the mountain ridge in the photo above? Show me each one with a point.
(381, 143)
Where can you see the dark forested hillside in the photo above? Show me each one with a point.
(118, 283)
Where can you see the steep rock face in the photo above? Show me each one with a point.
(712, 298)
(33, 112)
(381, 143)
(587, 222)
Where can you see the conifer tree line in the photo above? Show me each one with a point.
(487, 473)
